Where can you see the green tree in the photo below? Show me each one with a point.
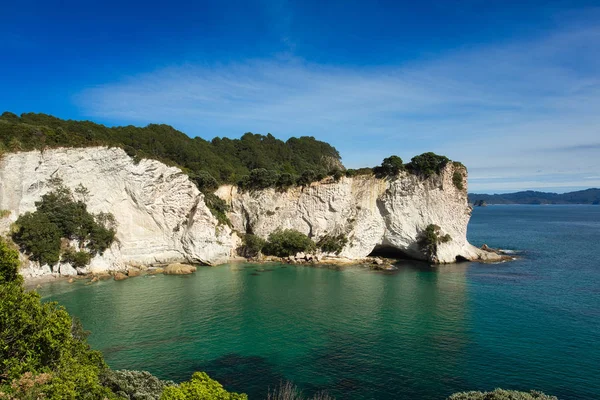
(427, 164)
(38, 236)
(391, 166)
(251, 245)
(288, 242)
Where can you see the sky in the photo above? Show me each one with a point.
(509, 88)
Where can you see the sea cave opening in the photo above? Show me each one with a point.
(387, 251)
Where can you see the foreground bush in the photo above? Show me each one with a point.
(9, 263)
(134, 385)
(200, 387)
(500, 394)
(288, 242)
(38, 338)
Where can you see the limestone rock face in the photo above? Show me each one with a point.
(374, 214)
(162, 217)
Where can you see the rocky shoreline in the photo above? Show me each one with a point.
(373, 263)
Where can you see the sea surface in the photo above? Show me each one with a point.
(419, 332)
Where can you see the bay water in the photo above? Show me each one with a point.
(419, 332)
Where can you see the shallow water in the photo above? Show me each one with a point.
(415, 333)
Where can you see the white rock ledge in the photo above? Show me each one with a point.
(162, 217)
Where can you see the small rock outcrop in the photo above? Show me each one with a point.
(179, 269)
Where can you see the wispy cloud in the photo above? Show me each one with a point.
(502, 108)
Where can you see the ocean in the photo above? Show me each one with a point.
(419, 332)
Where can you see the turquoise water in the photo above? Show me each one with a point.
(416, 333)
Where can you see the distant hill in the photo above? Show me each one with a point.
(588, 196)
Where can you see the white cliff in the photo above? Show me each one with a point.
(162, 217)
(374, 214)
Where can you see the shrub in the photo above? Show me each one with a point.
(286, 180)
(218, 207)
(457, 179)
(204, 181)
(429, 240)
(500, 394)
(391, 166)
(260, 178)
(252, 245)
(79, 259)
(427, 164)
(332, 244)
(134, 385)
(9, 263)
(200, 387)
(37, 338)
(306, 178)
(288, 242)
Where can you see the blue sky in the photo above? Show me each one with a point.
(510, 88)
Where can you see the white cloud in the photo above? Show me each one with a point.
(512, 109)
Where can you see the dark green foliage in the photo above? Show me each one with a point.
(226, 160)
(39, 237)
(457, 179)
(9, 263)
(427, 164)
(59, 215)
(332, 244)
(259, 178)
(391, 166)
(307, 177)
(217, 207)
(252, 245)
(337, 174)
(288, 242)
(286, 180)
(134, 385)
(501, 394)
(360, 171)
(429, 240)
(39, 338)
(78, 259)
(200, 387)
(204, 181)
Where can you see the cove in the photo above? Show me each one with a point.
(417, 332)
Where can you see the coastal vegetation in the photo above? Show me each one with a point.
(252, 162)
(62, 218)
(288, 242)
(429, 240)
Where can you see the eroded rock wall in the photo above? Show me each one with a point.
(162, 216)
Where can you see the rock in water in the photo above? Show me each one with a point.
(119, 276)
(179, 269)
